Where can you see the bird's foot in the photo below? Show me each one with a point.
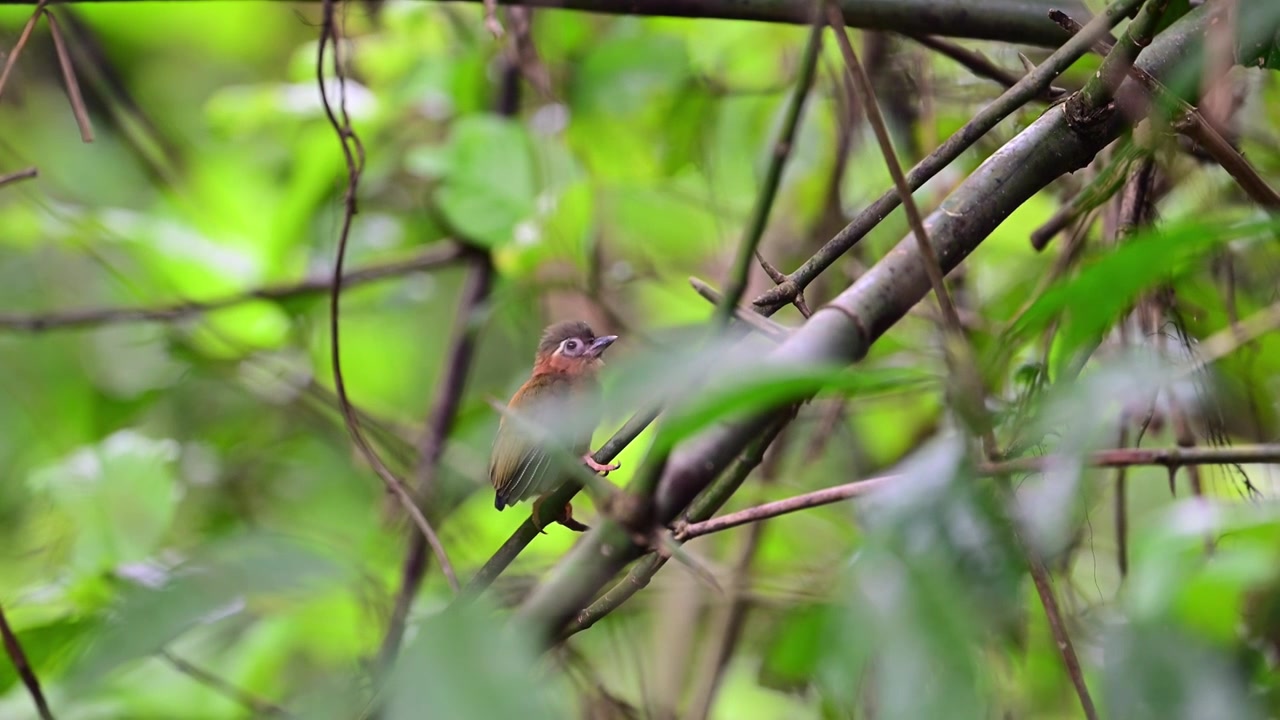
(597, 467)
(565, 518)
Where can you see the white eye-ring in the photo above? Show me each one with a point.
(572, 346)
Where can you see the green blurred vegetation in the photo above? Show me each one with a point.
(186, 489)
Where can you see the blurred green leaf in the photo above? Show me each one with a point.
(465, 663)
(218, 581)
(1094, 297)
(1157, 671)
(49, 648)
(795, 650)
(489, 186)
(119, 495)
(774, 386)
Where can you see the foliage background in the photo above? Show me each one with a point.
(184, 493)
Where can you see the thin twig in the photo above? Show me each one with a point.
(259, 706)
(353, 155)
(782, 145)
(22, 42)
(958, 351)
(18, 657)
(1172, 457)
(1121, 490)
(1057, 628)
(758, 513)
(18, 176)
(433, 257)
(1227, 340)
(440, 420)
(867, 95)
(758, 322)
(980, 64)
(1024, 91)
(1121, 457)
(778, 278)
(69, 77)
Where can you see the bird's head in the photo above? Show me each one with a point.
(571, 347)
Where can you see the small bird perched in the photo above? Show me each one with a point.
(561, 401)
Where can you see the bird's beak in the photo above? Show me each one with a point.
(600, 344)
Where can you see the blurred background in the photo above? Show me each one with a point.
(186, 530)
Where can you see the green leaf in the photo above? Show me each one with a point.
(773, 386)
(218, 582)
(489, 186)
(119, 495)
(796, 648)
(1093, 298)
(466, 663)
(1157, 671)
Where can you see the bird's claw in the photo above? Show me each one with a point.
(565, 518)
(597, 467)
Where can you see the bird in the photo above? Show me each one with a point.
(560, 403)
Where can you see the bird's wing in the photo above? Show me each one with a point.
(519, 466)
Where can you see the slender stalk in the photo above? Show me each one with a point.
(440, 420)
(781, 150)
(23, 668)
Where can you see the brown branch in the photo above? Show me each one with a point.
(778, 278)
(18, 176)
(958, 351)
(781, 151)
(1121, 482)
(259, 706)
(449, 389)
(1057, 628)
(353, 156)
(18, 657)
(433, 257)
(980, 64)
(69, 78)
(871, 105)
(440, 420)
(12, 60)
(1173, 457)
(756, 321)
(825, 496)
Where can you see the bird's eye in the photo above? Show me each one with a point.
(572, 346)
